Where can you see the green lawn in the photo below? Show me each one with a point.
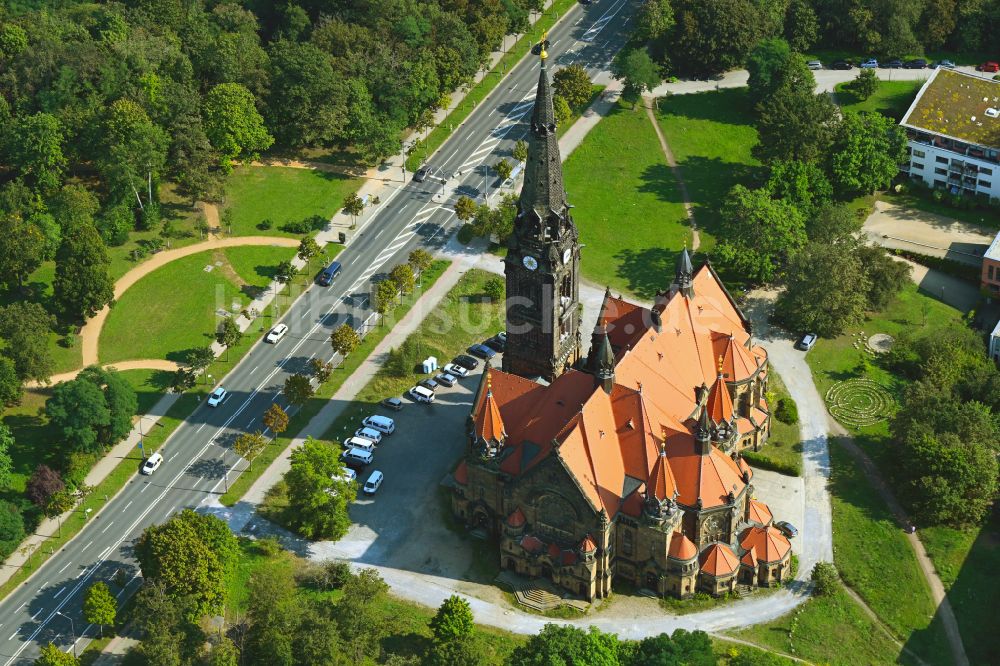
(174, 308)
(282, 195)
(34, 442)
(826, 630)
(258, 264)
(711, 135)
(150, 386)
(627, 205)
(892, 99)
(783, 451)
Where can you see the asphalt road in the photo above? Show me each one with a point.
(198, 461)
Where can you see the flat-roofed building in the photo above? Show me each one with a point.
(953, 127)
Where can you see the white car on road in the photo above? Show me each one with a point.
(217, 397)
(276, 333)
(152, 463)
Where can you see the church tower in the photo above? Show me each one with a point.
(542, 266)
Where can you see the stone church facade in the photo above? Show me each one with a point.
(621, 460)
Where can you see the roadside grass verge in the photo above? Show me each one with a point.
(873, 557)
(618, 180)
(827, 630)
(281, 195)
(424, 148)
(891, 99)
(783, 450)
(711, 135)
(300, 418)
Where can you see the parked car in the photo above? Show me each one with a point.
(989, 66)
(842, 64)
(916, 63)
(421, 174)
(455, 370)
(482, 351)
(357, 458)
(395, 404)
(383, 424)
(502, 336)
(373, 482)
(496, 344)
(276, 333)
(465, 361)
(806, 342)
(947, 64)
(369, 433)
(787, 529)
(217, 397)
(347, 475)
(870, 63)
(428, 384)
(359, 443)
(815, 64)
(444, 379)
(152, 463)
(421, 394)
(895, 63)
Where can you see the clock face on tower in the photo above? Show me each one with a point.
(530, 262)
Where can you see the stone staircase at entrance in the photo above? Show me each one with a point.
(539, 594)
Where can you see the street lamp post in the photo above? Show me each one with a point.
(72, 628)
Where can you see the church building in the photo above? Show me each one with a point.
(622, 459)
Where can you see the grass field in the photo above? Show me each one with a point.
(892, 99)
(281, 195)
(711, 135)
(174, 308)
(826, 630)
(627, 205)
(783, 451)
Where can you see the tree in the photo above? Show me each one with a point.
(321, 370)
(386, 294)
(573, 85)
(345, 340)
(298, 389)
(759, 233)
(802, 184)
(453, 620)
(200, 358)
(402, 275)
(495, 289)
(11, 526)
(25, 327)
(795, 124)
(420, 259)
(6, 464)
(123, 404)
(11, 389)
(691, 648)
(51, 655)
(249, 445)
(865, 84)
(353, 206)
(307, 99)
(100, 607)
(228, 334)
(190, 556)
(22, 248)
(801, 25)
(361, 623)
(654, 20)
(34, 148)
(59, 503)
(826, 580)
(133, 150)
(308, 248)
(520, 152)
(636, 70)
(833, 224)
(503, 169)
(225, 653)
(275, 418)
(43, 484)
(866, 153)
(78, 410)
(712, 37)
(828, 306)
(465, 208)
(285, 272)
(318, 493)
(233, 124)
(886, 276)
(83, 283)
(182, 380)
(766, 67)
(558, 644)
(13, 40)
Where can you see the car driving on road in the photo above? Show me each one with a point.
(276, 333)
(421, 174)
(217, 397)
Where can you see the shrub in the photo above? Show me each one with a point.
(264, 225)
(269, 547)
(11, 528)
(957, 269)
(465, 234)
(326, 576)
(825, 578)
(308, 225)
(787, 411)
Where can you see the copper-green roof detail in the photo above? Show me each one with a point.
(955, 104)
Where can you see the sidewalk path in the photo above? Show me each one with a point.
(647, 103)
(894, 226)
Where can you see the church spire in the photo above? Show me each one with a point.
(543, 213)
(685, 273)
(603, 363)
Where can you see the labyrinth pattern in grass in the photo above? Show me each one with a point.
(860, 402)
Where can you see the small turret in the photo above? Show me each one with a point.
(604, 364)
(685, 274)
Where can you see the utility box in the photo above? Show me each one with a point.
(429, 365)
(342, 237)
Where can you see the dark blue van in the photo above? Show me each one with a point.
(329, 273)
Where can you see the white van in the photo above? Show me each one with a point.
(360, 443)
(422, 394)
(357, 457)
(369, 433)
(383, 424)
(373, 482)
(347, 475)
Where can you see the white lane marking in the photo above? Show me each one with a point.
(21, 606)
(12, 638)
(37, 613)
(42, 586)
(127, 506)
(251, 423)
(143, 489)
(254, 369)
(107, 527)
(200, 427)
(65, 566)
(304, 314)
(59, 592)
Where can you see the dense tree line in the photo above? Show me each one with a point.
(692, 37)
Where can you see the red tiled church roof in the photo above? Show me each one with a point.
(681, 548)
(759, 512)
(719, 560)
(516, 518)
(770, 544)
